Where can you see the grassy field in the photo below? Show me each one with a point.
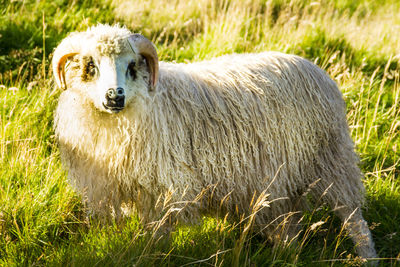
(42, 221)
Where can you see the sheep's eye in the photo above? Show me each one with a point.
(91, 68)
(131, 70)
(88, 69)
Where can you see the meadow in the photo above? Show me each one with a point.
(42, 220)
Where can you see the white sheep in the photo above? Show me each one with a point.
(135, 131)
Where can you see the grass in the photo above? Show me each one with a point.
(42, 221)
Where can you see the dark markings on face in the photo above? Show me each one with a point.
(131, 70)
(88, 68)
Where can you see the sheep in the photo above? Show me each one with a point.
(136, 132)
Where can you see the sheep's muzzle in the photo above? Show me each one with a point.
(115, 100)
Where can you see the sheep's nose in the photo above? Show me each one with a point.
(115, 93)
(115, 99)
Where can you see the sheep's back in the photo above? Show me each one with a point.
(240, 120)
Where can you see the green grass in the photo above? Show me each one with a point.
(42, 221)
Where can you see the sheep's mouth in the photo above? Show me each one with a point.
(113, 109)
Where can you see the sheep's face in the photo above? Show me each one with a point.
(107, 67)
(110, 82)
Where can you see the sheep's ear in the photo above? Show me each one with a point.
(68, 47)
(59, 71)
(142, 46)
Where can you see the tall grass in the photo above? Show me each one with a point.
(42, 221)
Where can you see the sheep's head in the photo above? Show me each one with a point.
(109, 66)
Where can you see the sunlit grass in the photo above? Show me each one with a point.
(42, 221)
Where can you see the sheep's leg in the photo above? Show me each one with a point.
(348, 208)
(341, 187)
(358, 230)
(103, 200)
(344, 195)
(103, 207)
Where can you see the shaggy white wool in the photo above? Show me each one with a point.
(242, 124)
(232, 122)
